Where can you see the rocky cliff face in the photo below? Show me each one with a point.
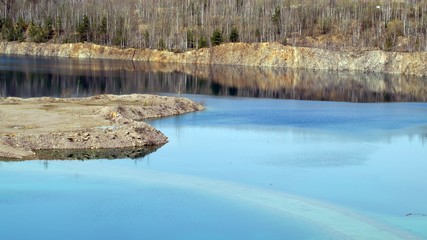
(244, 54)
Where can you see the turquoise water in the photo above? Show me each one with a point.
(72, 201)
(243, 169)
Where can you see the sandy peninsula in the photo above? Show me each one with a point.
(29, 126)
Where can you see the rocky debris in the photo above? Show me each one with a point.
(244, 54)
(99, 122)
(8, 152)
(85, 154)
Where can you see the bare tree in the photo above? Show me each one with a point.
(334, 24)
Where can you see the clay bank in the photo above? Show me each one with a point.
(244, 54)
(99, 122)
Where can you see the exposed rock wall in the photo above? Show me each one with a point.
(255, 54)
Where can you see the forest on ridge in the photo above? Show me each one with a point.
(390, 25)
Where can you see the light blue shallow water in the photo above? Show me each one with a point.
(242, 169)
(62, 203)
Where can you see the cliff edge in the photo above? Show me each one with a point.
(244, 54)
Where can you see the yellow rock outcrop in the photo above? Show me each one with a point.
(244, 54)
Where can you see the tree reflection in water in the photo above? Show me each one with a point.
(35, 77)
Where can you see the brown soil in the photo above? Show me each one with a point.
(99, 122)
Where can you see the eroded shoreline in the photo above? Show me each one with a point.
(98, 122)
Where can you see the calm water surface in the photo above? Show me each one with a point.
(243, 169)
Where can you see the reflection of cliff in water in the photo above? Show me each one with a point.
(28, 77)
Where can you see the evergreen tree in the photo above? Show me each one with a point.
(84, 29)
(190, 39)
(58, 26)
(20, 29)
(234, 35)
(8, 30)
(203, 42)
(258, 35)
(216, 37)
(119, 37)
(162, 44)
(48, 28)
(36, 33)
(102, 30)
(276, 19)
(147, 38)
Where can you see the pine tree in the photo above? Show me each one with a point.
(20, 29)
(276, 19)
(8, 30)
(118, 37)
(102, 30)
(147, 38)
(84, 29)
(190, 39)
(58, 26)
(216, 37)
(48, 28)
(162, 44)
(36, 33)
(258, 35)
(234, 35)
(203, 42)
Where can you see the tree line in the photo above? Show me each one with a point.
(392, 25)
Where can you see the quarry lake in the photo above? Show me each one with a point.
(261, 162)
